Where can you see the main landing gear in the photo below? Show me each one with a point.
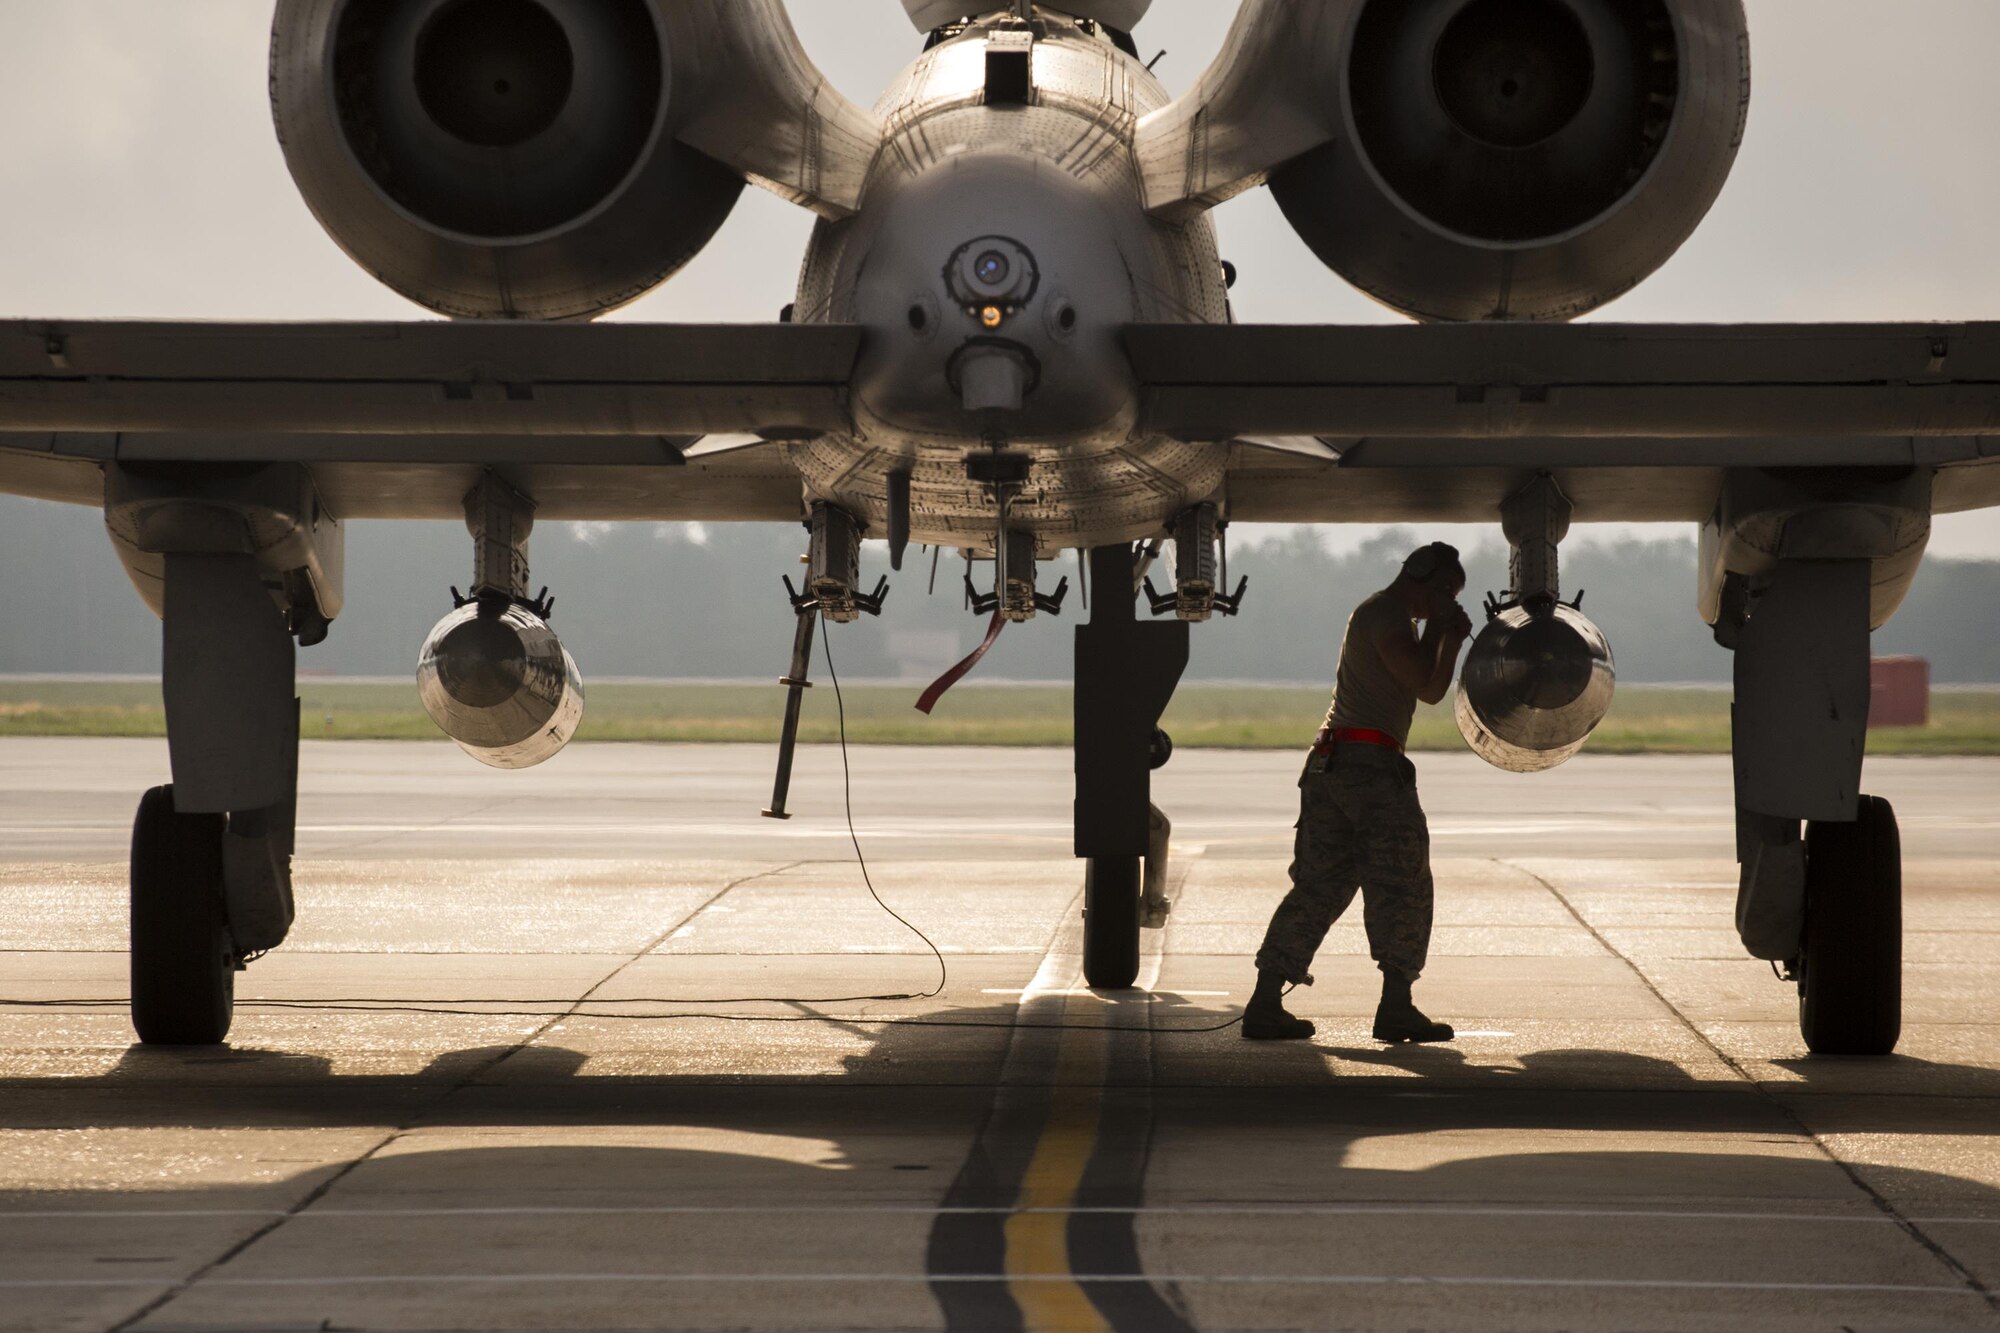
(1821, 887)
(243, 566)
(212, 852)
(184, 960)
(1850, 964)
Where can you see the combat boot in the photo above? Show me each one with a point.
(1265, 1017)
(1398, 1019)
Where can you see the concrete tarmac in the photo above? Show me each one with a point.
(570, 1049)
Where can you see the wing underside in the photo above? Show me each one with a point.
(1441, 422)
(1330, 424)
(599, 421)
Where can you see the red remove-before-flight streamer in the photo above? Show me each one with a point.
(958, 673)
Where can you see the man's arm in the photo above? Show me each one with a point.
(1425, 665)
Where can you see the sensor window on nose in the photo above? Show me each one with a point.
(992, 273)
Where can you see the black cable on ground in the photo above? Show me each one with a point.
(860, 858)
(574, 1009)
(569, 1010)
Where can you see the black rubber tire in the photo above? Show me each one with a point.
(1111, 922)
(183, 962)
(1851, 971)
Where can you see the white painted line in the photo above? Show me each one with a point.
(1191, 1210)
(761, 831)
(1231, 1279)
(1061, 968)
(1150, 963)
(83, 1214)
(1148, 1210)
(986, 831)
(1056, 976)
(1085, 990)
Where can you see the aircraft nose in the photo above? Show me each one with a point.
(992, 285)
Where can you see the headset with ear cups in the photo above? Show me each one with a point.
(1425, 562)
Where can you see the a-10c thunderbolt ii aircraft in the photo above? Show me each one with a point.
(1013, 337)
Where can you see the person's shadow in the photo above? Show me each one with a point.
(1568, 1067)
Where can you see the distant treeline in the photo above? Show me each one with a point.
(693, 601)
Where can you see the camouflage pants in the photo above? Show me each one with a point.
(1360, 827)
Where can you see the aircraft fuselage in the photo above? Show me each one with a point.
(998, 250)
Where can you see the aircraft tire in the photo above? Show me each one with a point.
(1111, 922)
(1851, 970)
(183, 960)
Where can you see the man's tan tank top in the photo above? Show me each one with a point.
(1365, 693)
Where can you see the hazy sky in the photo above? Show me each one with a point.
(139, 177)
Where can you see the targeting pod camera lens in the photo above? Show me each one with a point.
(992, 271)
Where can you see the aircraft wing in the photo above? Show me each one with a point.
(398, 420)
(1372, 423)
(1441, 422)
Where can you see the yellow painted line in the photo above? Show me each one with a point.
(1039, 1276)
(1038, 1268)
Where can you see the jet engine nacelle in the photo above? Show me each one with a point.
(1536, 683)
(495, 678)
(501, 159)
(1517, 159)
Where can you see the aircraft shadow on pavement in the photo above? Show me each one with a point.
(1172, 1048)
(589, 1208)
(901, 1123)
(585, 1175)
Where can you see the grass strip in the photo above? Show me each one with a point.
(1643, 719)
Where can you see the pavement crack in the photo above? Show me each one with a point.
(1917, 1234)
(577, 1004)
(416, 1119)
(312, 1196)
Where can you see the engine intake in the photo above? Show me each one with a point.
(495, 678)
(1521, 159)
(1536, 683)
(494, 158)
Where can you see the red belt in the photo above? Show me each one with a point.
(1329, 737)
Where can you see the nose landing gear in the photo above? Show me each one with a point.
(1126, 672)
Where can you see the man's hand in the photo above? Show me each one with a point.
(1425, 665)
